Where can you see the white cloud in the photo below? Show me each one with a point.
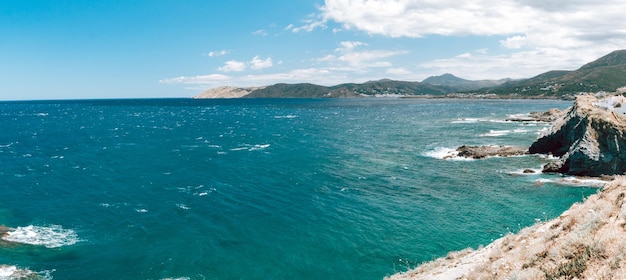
(257, 63)
(359, 60)
(217, 53)
(522, 64)
(233, 66)
(349, 45)
(544, 35)
(311, 23)
(260, 32)
(206, 79)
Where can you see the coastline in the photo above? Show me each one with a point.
(587, 241)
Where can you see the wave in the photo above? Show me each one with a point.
(466, 120)
(286, 117)
(248, 147)
(477, 120)
(497, 133)
(51, 237)
(182, 206)
(526, 172)
(445, 153)
(11, 272)
(574, 181)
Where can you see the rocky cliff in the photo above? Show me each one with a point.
(589, 140)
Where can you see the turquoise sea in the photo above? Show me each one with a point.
(261, 188)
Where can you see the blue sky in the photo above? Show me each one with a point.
(178, 48)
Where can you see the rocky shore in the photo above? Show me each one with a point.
(588, 241)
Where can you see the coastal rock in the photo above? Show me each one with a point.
(547, 116)
(478, 152)
(589, 140)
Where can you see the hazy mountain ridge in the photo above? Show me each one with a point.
(604, 74)
(462, 84)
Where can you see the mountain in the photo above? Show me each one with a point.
(604, 74)
(462, 84)
(303, 90)
(371, 88)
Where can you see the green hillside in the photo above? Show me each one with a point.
(459, 84)
(604, 74)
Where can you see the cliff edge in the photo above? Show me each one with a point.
(588, 241)
(589, 139)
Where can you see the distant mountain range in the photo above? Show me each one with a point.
(604, 74)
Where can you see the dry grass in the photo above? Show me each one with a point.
(588, 241)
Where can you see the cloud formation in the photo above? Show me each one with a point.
(233, 66)
(522, 38)
(257, 63)
(217, 53)
(582, 29)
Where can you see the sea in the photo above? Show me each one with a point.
(263, 188)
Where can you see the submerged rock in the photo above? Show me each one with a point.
(589, 140)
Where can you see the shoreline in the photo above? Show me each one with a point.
(587, 241)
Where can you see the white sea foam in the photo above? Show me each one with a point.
(535, 171)
(445, 153)
(441, 153)
(182, 206)
(259, 147)
(248, 147)
(497, 133)
(477, 120)
(286, 117)
(51, 236)
(11, 272)
(466, 120)
(574, 181)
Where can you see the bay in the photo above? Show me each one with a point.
(262, 188)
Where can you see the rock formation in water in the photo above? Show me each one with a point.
(478, 152)
(547, 116)
(589, 140)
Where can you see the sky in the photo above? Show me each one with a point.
(75, 49)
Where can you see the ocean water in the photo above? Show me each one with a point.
(261, 188)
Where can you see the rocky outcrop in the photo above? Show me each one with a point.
(478, 152)
(588, 241)
(547, 116)
(589, 140)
